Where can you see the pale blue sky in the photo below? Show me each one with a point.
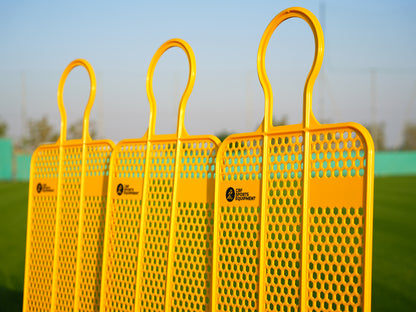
(40, 38)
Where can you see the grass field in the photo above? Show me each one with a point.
(394, 253)
(13, 213)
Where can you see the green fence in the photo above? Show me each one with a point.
(397, 163)
(400, 163)
(6, 159)
(23, 167)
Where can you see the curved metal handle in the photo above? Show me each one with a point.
(68, 69)
(313, 73)
(188, 89)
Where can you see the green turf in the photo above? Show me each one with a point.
(394, 244)
(13, 214)
(394, 252)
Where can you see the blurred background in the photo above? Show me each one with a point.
(368, 76)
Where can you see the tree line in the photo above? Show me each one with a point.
(41, 131)
(376, 130)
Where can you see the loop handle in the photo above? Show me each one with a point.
(85, 133)
(188, 89)
(313, 22)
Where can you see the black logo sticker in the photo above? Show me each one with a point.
(120, 189)
(126, 189)
(238, 194)
(230, 194)
(43, 188)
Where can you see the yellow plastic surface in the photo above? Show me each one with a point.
(66, 214)
(294, 208)
(159, 223)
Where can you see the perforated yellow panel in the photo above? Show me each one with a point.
(68, 225)
(238, 227)
(123, 227)
(91, 243)
(41, 228)
(154, 263)
(67, 196)
(338, 221)
(193, 232)
(158, 242)
(293, 209)
(284, 216)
